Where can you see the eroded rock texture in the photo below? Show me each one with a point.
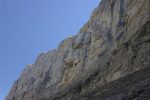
(114, 43)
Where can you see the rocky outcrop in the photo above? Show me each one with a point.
(135, 86)
(114, 43)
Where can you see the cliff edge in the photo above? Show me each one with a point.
(110, 51)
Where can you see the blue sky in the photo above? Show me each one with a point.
(29, 27)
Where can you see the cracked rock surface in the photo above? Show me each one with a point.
(111, 48)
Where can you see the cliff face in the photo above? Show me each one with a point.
(114, 43)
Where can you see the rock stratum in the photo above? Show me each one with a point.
(109, 59)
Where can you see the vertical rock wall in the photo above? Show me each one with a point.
(114, 42)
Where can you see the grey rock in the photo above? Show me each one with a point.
(114, 43)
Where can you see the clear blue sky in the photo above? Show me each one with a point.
(29, 27)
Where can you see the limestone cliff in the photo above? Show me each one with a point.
(114, 43)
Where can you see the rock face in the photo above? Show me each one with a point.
(135, 86)
(113, 44)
